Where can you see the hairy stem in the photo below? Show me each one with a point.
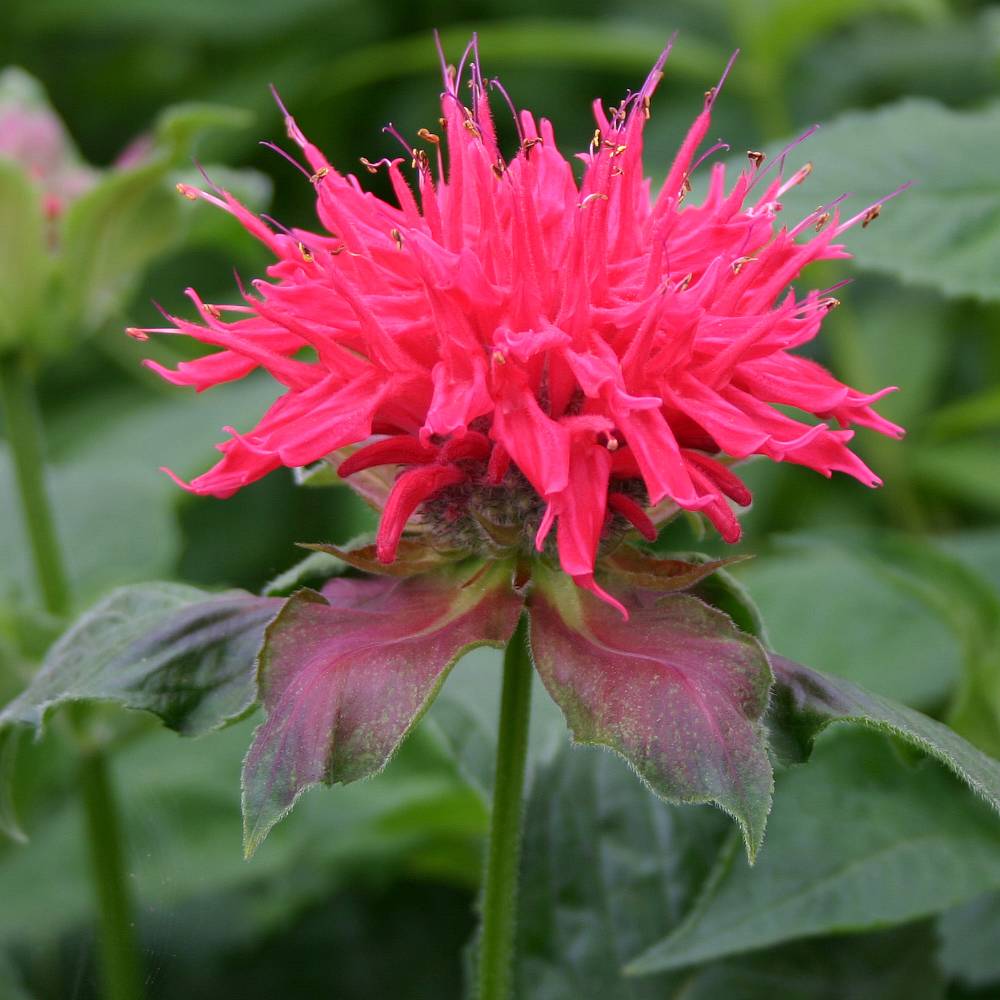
(119, 955)
(499, 903)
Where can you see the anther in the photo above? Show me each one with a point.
(188, 192)
(755, 157)
(498, 168)
(428, 136)
(213, 311)
(530, 144)
(870, 216)
(499, 358)
(136, 334)
(597, 195)
(319, 175)
(617, 172)
(821, 221)
(397, 237)
(683, 283)
(472, 127)
(737, 265)
(829, 303)
(368, 165)
(305, 252)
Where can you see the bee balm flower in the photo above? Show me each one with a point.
(544, 358)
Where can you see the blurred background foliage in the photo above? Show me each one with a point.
(368, 891)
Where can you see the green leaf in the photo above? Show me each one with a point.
(676, 690)
(856, 841)
(969, 936)
(804, 702)
(183, 654)
(344, 675)
(811, 586)
(945, 231)
(24, 262)
(892, 965)
(970, 606)
(607, 868)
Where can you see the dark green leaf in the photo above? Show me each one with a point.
(804, 702)
(891, 965)
(183, 654)
(856, 841)
(607, 868)
(969, 936)
(826, 604)
(945, 231)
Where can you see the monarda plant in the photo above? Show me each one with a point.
(528, 369)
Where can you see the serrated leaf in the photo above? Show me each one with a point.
(345, 674)
(676, 690)
(804, 702)
(945, 231)
(856, 841)
(183, 654)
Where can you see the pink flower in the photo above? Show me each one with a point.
(533, 351)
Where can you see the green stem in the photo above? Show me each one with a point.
(119, 955)
(499, 906)
(25, 435)
(23, 426)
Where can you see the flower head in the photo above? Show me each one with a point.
(547, 360)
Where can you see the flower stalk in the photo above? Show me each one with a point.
(25, 436)
(499, 903)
